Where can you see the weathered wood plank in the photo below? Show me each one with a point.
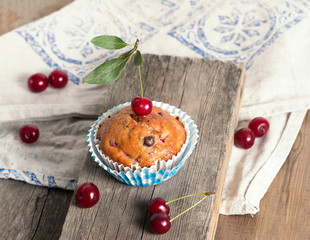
(285, 209)
(31, 212)
(210, 92)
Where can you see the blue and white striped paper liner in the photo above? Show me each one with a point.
(161, 171)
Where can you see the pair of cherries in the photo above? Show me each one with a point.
(244, 137)
(160, 220)
(39, 82)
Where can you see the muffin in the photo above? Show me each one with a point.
(130, 154)
(129, 139)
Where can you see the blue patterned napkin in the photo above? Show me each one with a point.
(271, 37)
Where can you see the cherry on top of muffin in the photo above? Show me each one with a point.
(111, 70)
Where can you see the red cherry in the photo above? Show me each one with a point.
(37, 82)
(87, 195)
(29, 133)
(244, 138)
(160, 223)
(259, 126)
(58, 78)
(158, 205)
(141, 106)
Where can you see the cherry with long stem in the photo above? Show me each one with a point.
(140, 105)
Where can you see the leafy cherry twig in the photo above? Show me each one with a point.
(111, 70)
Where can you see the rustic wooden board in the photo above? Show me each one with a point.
(210, 92)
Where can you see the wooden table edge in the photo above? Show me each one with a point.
(223, 172)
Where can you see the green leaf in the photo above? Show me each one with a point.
(109, 42)
(138, 58)
(107, 72)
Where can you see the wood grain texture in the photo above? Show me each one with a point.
(285, 209)
(19, 12)
(210, 92)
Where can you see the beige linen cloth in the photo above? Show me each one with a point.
(271, 37)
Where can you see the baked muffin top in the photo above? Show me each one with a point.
(129, 139)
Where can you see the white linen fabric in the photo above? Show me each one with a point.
(271, 37)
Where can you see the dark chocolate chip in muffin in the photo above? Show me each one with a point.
(160, 113)
(149, 141)
(134, 117)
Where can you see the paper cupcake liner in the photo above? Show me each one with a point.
(162, 170)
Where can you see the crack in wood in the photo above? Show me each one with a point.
(40, 217)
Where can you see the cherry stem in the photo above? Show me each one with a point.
(140, 82)
(207, 194)
(136, 49)
(194, 194)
